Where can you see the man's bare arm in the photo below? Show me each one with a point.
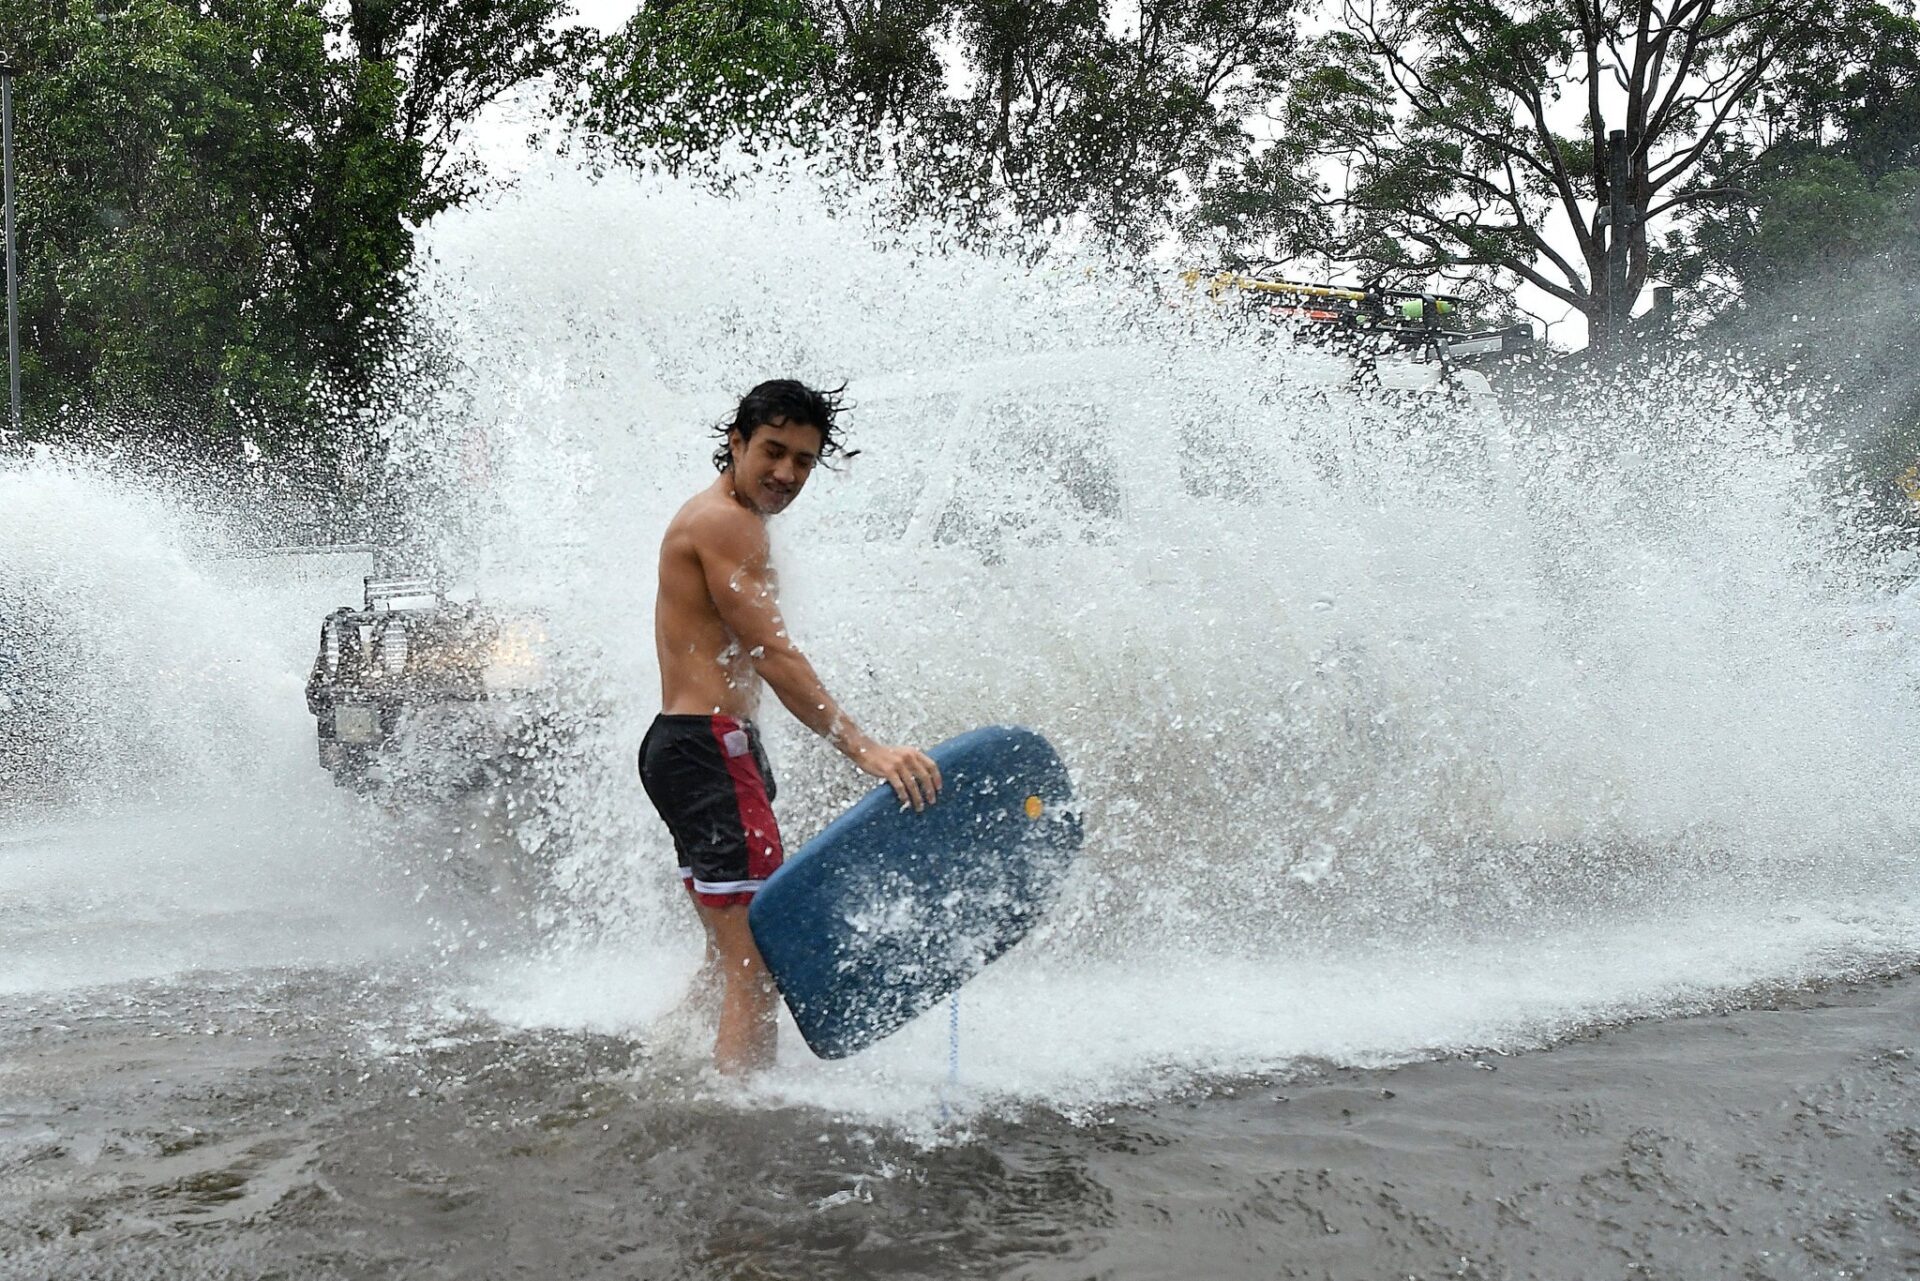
(734, 558)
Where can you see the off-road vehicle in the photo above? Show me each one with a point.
(419, 692)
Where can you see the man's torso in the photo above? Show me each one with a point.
(702, 668)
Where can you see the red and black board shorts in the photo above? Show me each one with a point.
(708, 777)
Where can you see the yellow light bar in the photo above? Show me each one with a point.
(1223, 281)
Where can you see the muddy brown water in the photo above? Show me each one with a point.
(300, 1126)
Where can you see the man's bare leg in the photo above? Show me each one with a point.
(691, 1021)
(748, 1001)
(703, 993)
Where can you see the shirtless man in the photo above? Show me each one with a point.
(718, 630)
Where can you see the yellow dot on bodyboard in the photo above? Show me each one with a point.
(1035, 807)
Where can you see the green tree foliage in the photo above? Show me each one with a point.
(1004, 113)
(1468, 138)
(406, 80)
(1110, 113)
(218, 200)
(682, 82)
(155, 208)
(1825, 188)
(1811, 257)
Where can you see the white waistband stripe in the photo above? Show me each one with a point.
(724, 887)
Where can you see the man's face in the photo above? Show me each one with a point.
(771, 468)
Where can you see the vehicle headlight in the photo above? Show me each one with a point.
(514, 661)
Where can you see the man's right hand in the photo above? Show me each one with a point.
(911, 773)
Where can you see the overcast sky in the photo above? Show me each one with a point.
(605, 14)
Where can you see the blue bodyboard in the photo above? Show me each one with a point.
(886, 912)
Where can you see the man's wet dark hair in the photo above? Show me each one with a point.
(783, 400)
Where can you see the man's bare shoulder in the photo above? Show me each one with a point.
(711, 520)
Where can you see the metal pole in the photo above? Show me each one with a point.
(13, 277)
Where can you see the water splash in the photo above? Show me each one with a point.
(1336, 673)
(1400, 725)
(164, 811)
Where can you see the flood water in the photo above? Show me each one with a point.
(327, 1124)
(1499, 858)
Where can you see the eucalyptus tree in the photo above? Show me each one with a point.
(1000, 114)
(1471, 138)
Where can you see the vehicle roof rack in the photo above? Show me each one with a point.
(1406, 318)
(1402, 306)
